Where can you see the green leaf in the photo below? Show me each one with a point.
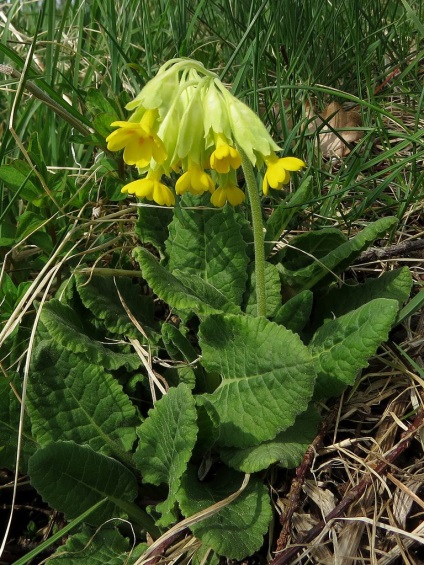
(71, 399)
(92, 547)
(209, 244)
(167, 438)
(287, 448)
(336, 261)
(267, 377)
(28, 222)
(284, 212)
(190, 294)
(394, 285)
(101, 296)
(237, 530)
(295, 313)
(66, 329)
(343, 346)
(20, 178)
(9, 425)
(152, 225)
(71, 478)
(179, 348)
(272, 291)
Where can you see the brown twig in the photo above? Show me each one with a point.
(398, 250)
(287, 555)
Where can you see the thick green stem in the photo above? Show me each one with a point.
(258, 231)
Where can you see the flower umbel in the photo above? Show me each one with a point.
(278, 171)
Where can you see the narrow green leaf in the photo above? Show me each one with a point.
(71, 478)
(190, 294)
(17, 177)
(287, 448)
(167, 438)
(343, 346)
(209, 244)
(66, 329)
(267, 377)
(237, 530)
(71, 399)
(101, 295)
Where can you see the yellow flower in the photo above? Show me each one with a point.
(229, 192)
(224, 157)
(151, 188)
(278, 171)
(194, 180)
(139, 141)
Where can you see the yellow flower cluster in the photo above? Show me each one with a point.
(185, 120)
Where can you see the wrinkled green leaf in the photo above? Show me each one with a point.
(343, 346)
(209, 245)
(180, 349)
(272, 291)
(188, 293)
(71, 478)
(167, 438)
(101, 296)
(295, 313)
(152, 225)
(66, 329)
(267, 377)
(287, 448)
(237, 530)
(71, 399)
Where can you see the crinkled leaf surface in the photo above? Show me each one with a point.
(272, 291)
(209, 244)
(343, 346)
(287, 448)
(267, 377)
(9, 425)
(71, 478)
(187, 292)
(294, 314)
(394, 285)
(152, 225)
(180, 349)
(337, 260)
(237, 530)
(69, 398)
(167, 438)
(100, 296)
(104, 546)
(66, 329)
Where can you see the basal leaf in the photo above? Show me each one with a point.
(294, 314)
(394, 285)
(66, 329)
(100, 295)
(190, 294)
(343, 346)
(272, 291)
(71, 478)
(71, 399)
(9, 424)
(267, 377)
(103, 546)
(180, 349)
(167, 438)
(237, 530)
(152, 225)
(287, 448)
(335, 261)
(209, 244)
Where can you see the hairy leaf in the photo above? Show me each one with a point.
(209, 244)
(188, 293)
(237, 530)
(71, 399)
(267, 377)
(343, 346)
(287, 448)
(167, 438)
(71, 478)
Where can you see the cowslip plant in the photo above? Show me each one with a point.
(155, 391)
